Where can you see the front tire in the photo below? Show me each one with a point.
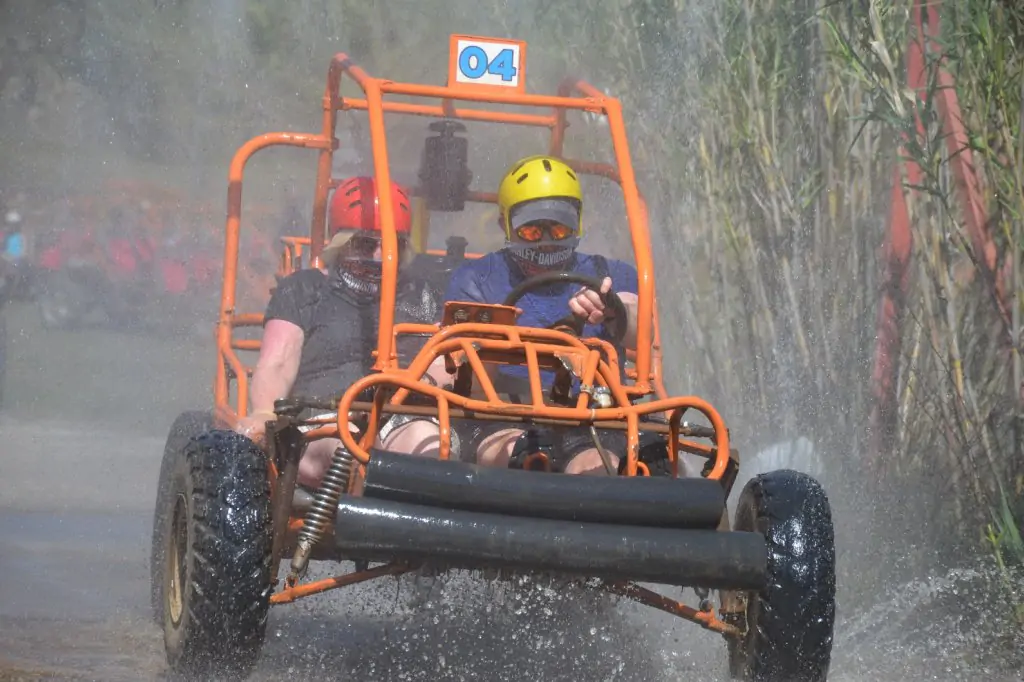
(187, 426)
(218, 558)
(790, 621)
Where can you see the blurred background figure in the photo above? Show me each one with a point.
(15, 252)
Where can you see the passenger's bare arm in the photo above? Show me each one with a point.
(274, 374)
(278, 365)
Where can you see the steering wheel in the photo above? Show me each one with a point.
(615, 326)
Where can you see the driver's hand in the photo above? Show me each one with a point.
(254, 426)
(588, 305)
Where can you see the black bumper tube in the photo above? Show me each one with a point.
(631, 501)
(381, 530)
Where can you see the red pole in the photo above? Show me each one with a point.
(965, 174)
(895, 261)
(899, 240)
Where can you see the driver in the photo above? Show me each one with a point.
(320, 326)
(540, 208)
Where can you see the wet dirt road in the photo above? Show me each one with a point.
(81, 436)
(74, 603)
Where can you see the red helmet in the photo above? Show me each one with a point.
(354, 206)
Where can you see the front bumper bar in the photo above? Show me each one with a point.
(628, 500)
(657, 530)
(381, 530)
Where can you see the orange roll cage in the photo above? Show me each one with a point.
(493, 342)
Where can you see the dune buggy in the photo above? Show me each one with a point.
(228, 511)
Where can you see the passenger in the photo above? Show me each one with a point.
(320, 326)
(540, 209)
(14, 267)
(12, 238)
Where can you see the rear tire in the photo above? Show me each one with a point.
(218, 558)
(62, 303)
(187, 426)
(790, 621)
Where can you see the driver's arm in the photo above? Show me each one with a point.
(622, 278)
(629, 301)
(625, 283)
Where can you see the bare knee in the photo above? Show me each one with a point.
(496, 449)
(589, 463)
(316, 460)
(420, 438)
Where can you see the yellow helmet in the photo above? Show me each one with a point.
(538, 177)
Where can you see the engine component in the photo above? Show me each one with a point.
(444, 174)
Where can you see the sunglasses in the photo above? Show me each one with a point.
(534, 232)
(365, 246)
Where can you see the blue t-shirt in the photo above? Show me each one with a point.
(490, 279)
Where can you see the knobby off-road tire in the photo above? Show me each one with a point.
(187, 426)
(790, 621)
(218, 558)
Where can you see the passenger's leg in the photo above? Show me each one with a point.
(589, 463)
(582, 457)
(587, 460)
(573, 454)
(316, 460)
(419, 437)
(496, 449)
(317, 457)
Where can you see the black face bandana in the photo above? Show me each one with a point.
(357, 272)
(540, 257)
(357, 281)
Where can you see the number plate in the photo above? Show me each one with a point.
(491, 63)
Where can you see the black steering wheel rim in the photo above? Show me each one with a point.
(616, 326)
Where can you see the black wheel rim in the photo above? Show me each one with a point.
(176, 559)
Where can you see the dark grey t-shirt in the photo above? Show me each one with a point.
(340, 336)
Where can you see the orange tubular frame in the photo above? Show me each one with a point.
(647, 360)
(534, 347)
(474, 344)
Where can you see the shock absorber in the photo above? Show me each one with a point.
(321, 513)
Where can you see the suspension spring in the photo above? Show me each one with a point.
(321, 512)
